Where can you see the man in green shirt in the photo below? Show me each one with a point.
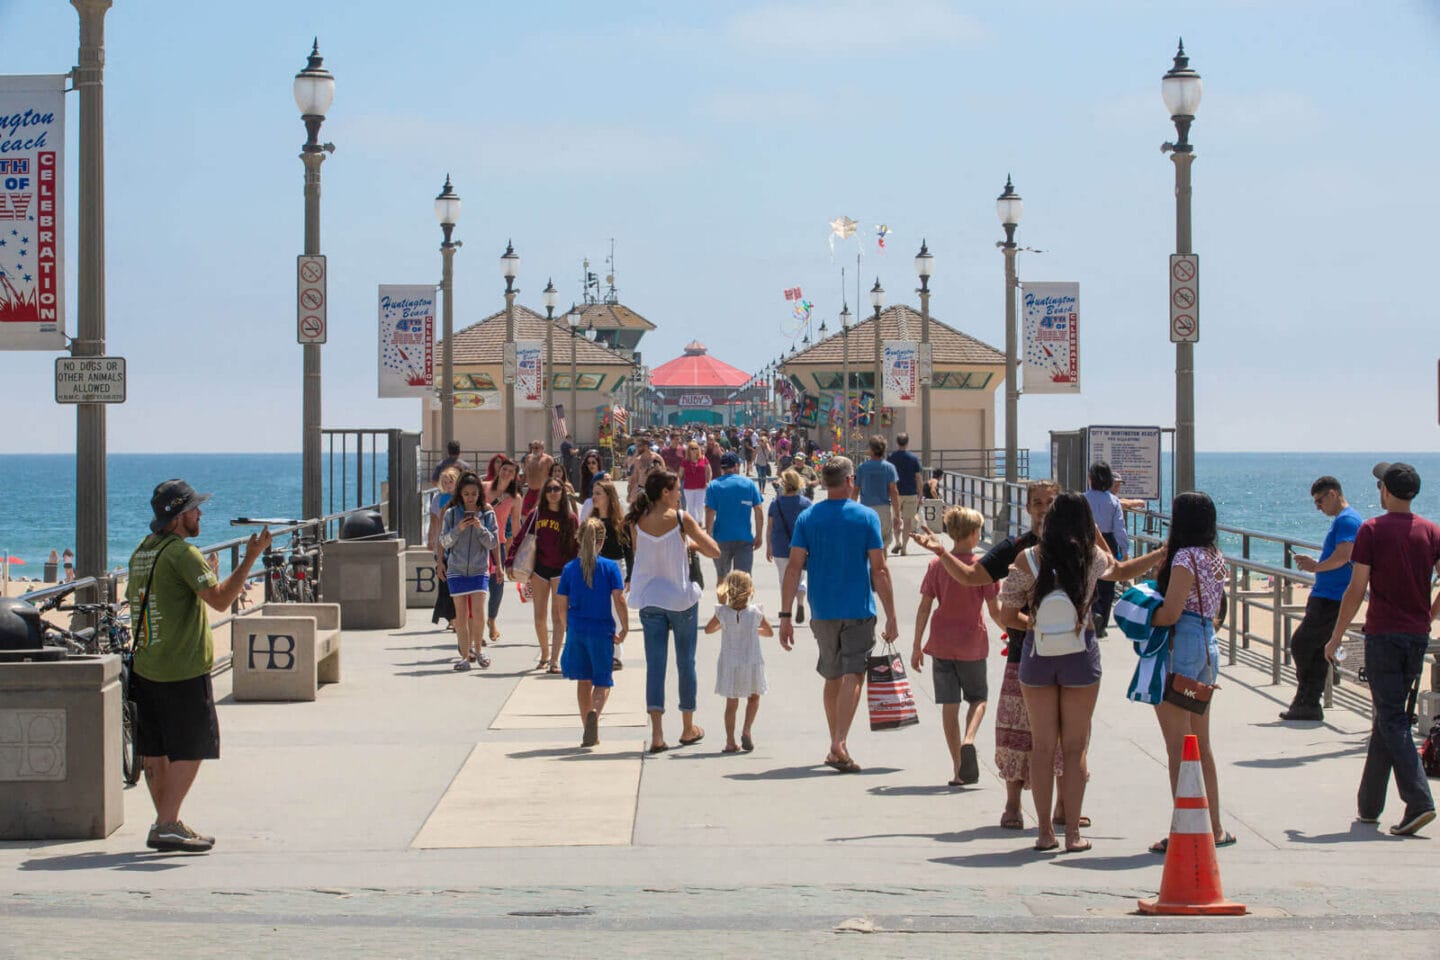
(170, 680)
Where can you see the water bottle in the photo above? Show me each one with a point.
(1341, 653)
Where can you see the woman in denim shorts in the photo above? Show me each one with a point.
(1192, 578)
(1060, 691)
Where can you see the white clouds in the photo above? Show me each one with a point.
(832, 29)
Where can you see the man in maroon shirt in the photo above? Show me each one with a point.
(1395, 555)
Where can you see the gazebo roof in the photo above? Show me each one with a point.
(484, 342)
(899, 322)
(696, 368)
(611, 316)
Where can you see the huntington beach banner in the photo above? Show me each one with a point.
(32, 213)
(407, 340)
(1051, 324)
(529, 374)
(902, 373)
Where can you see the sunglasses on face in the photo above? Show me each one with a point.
(554, 489)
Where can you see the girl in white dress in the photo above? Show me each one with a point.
(740, 670)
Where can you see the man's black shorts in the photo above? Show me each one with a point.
(175, 720)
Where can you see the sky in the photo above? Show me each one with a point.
(713, 142)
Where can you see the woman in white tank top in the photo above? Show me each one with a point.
(668, 601)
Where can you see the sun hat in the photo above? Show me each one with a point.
(170, 499)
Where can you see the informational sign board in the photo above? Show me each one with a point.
(32, 213)
(530, 374)
(1050, 322)
(1132, 452)
(1184, 298)
(310, 299)
(407, 339)
(900, 373)
(90, 380)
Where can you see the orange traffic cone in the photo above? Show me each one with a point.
(1191, 882)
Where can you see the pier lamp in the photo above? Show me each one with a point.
(574, 317)
(447, 212)
(845, 377)
(1181, 88)
(510, 268)
(1009, 207)
(548, 296)
(877, 300)
(924, 269)
(314, 89)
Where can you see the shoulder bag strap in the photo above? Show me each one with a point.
(149, 582)
(780, 509)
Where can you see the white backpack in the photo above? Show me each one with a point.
(1054, 620)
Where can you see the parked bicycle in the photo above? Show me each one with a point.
(292, 572)
(111, 634)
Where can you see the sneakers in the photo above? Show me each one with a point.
(178, 838)
(969, 764)
(800, 611)
(1303, 713)
(1411, 825)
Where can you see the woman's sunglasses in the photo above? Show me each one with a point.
(554, 489)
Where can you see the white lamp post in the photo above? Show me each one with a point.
(1009, 207)
(447, 212)
(510, 267)
(924, 269)
(1181, 88)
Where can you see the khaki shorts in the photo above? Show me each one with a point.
(887, 525)
(909, 506)
(844, 645)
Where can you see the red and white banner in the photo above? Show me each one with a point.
(407, 340)
(32, 213)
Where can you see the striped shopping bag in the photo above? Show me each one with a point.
(891, 703)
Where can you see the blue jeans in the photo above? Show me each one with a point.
(658, 623)
(1392, 663)
(734, 555)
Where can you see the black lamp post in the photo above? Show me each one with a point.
(1181, 88)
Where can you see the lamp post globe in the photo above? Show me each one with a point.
(447, 212)
(877, 392)
(510, 269)
(548, 297)
(1009, 208)
(924, 269)
(314, 90)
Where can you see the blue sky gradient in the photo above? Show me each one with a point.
(713, 141)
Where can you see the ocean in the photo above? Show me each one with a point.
(1265, 492)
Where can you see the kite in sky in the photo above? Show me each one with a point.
(842, 227)
(881, 232)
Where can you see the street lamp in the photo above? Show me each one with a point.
(1181, 88)
(924, 267)
(877, 300)
(447, 211)
(510, 267)
(845, 384)
(314, 89)
(548, 297)
(574, 317)
(1009, 207)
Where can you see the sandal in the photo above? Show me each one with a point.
(1084, 821)
(1012, 821)
(730, 749)
(1079, 846)
(746, 743)
(686, 741)
(542, 664)
(1043, 846)
(1226, 840)
(554, 667)
(1160, 846)
(658, 747)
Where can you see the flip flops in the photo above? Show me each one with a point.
(687, 741)
(657, 748)
(1042, 846)
(1084, 821)
(1012, 821)
(746, 743)
(843, 766)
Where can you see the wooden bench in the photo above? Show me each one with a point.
(284, 651)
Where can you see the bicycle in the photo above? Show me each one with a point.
(111, 635)
(291, 573)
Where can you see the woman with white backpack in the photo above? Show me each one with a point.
(1049, 594)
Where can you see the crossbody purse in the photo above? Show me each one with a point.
(1186, 692)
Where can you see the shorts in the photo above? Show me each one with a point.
(175, 720)
(546, 573)
(1193, 639)
(887, 521)
(909, 506)
(589, 653)
(1081, 669)
(954, 678)
(844, 646)
(460, 586)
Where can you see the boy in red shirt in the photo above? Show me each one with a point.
(959, 642)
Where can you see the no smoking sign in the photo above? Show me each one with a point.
(1184, 298)
(310, 299)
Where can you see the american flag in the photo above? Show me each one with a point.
(557, 423)
(618, 414)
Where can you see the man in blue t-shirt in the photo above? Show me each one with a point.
(1332, 576)
(733, 516)
(877, 487)
(837, 542)
(907, 469)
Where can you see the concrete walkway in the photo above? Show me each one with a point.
(412, 806)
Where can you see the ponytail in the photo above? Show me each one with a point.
(736, 589)
(592, 537)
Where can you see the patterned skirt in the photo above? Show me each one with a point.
(1012, 732)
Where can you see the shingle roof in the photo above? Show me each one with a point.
(612, 316)
(899, 322)
(484, 342)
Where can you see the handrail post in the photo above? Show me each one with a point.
(1276, 642)
(1234, 605)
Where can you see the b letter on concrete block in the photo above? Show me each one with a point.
(367, 579)
(421, 578)
(284, 651)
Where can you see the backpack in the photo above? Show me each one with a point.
(1430, 751)
(1053, 623)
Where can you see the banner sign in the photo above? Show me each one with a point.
(902, 373)
(487, 400)
(1133, 453)
(529, 374)
(407, 339)
(32, 213)
(1051, 325)
(695, 400)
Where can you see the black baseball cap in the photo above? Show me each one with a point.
(1400, 479)
(170, 499)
